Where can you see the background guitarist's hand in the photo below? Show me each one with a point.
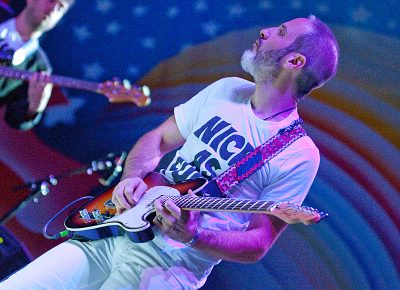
(127, 193)
(39, 91)
(178, 224)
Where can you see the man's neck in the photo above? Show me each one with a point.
(25, 28)
(269, 99)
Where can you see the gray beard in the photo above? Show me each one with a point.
(263, 67)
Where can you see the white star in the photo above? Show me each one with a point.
(104, 6)
(81, 32)
(200, 6)
(264, 5)
(172, 12)
(93, 70)
(113, 28)
(210, 28)
(296, 4)
(392, 24)
(236, 10)
(133, 70)
(323, 8)
(361, 14)
(64, 114)
(139, 10)
(148, 42)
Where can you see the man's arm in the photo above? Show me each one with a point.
(144, 158)
(27, 102)
(39, 92)
(246, 246)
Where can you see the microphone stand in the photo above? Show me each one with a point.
(40, 188)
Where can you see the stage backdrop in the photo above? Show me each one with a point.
(177, 48)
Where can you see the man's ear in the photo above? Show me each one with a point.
(294, 60)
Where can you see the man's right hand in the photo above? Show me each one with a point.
(127, 193)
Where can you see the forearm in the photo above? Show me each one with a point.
(239, 246)
(37, 105)
(144, 156)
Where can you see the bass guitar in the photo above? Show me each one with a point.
(116, 92)
(99, 214)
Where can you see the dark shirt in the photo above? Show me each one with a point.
(14, 92)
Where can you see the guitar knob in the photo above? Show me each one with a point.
(145, 99)
(322, 215)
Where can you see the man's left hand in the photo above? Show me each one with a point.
(176, 223)
(39, 91)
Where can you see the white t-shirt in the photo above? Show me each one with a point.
(220, 127)
(11, 39)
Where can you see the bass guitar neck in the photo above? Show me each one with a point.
(115, 92)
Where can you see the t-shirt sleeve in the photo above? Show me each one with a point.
(187, 114)
(294, 177)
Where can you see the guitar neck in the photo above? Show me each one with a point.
(221, 204)
(68, 82)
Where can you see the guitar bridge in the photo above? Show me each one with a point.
(95, 215)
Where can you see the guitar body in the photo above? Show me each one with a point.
(97, 219)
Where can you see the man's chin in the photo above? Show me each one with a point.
(247, 61)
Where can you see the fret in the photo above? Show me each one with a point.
(218, 203)
(208, 202)
(255, 203)
(195, 202)
(238, 204)
(244, 206)
(220, 200)
(261, 206)
(224, 205)
(191, 202)
(229, 205)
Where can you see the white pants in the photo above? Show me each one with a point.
(112, 263)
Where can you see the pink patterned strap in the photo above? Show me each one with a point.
(259, 156)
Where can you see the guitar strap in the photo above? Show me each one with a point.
(253, 160)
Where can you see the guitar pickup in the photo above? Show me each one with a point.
(97, 215)
(84, 214)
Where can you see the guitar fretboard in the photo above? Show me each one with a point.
(220, 204)
(57, 80)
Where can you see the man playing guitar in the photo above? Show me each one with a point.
(213, 130)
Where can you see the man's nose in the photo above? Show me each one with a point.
(265, 33)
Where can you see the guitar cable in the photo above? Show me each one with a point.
(64, 233)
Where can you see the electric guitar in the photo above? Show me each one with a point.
(99, 214)
(116, 93)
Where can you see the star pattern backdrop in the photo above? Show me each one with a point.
(177, 48)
